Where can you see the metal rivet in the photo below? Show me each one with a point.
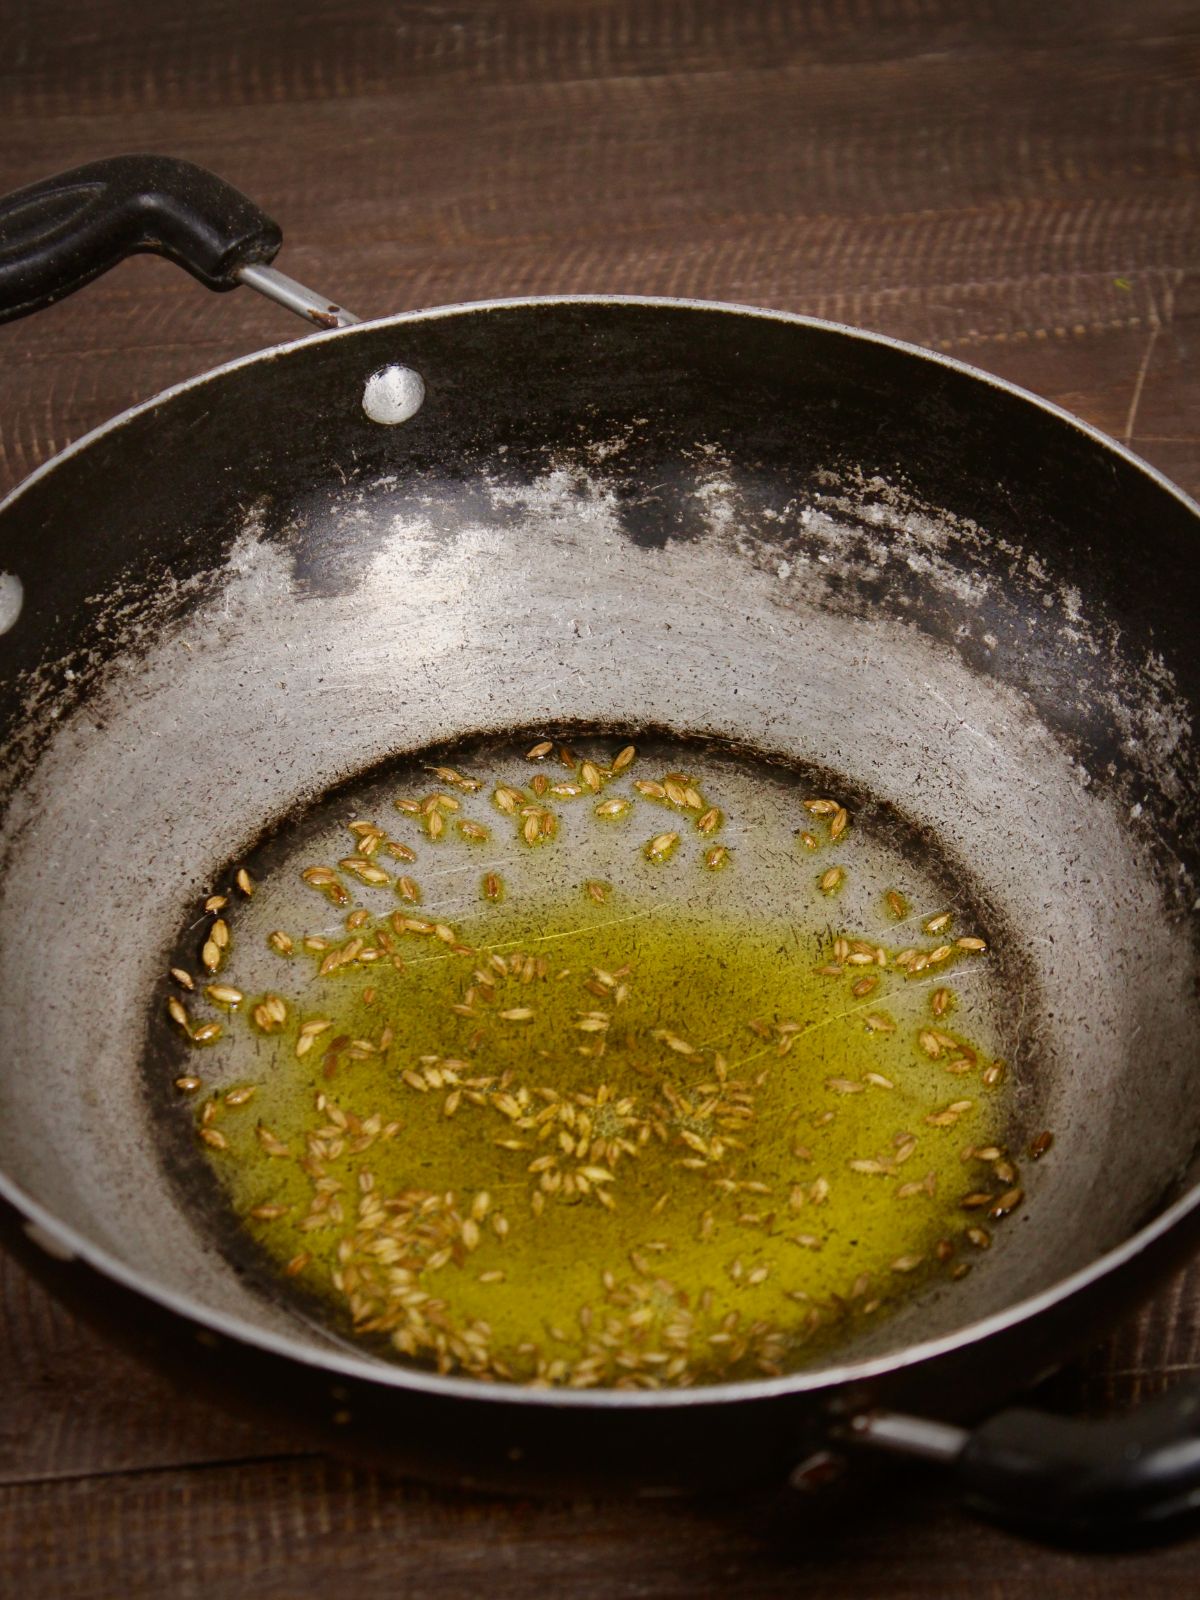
(12, 598)
(393, 395)
(817, 1472)
(47, 1242)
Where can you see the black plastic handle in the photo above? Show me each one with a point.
(1112, 1482)
(1119, 1481)
(59, 234)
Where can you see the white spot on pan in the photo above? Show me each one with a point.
(12, 598)
(393, 395)
(49, 1242)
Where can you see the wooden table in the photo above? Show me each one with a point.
(1016, 183)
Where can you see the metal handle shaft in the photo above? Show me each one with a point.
(295, 297)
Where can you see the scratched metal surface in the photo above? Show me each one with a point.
(1012, 183)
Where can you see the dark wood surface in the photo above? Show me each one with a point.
(1011, 181)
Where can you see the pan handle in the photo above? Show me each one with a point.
(59, 234)
(1113, 1482)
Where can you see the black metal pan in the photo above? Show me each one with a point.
(798, 538)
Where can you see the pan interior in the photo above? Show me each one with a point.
(230, 714)
(778, 538)
(632, 1061)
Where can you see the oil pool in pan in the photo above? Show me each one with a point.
(629, 1063)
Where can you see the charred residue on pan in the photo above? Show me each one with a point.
(852, 536)
(637, 402)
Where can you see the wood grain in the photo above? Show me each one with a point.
(280, 1529)
(1012, 182)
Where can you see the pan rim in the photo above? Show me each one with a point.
(667, 302)
(46, 1230)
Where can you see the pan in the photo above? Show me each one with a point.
(825, 564)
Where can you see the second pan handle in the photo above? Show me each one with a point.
(1111, 1482)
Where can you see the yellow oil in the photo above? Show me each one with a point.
(741, 1257)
